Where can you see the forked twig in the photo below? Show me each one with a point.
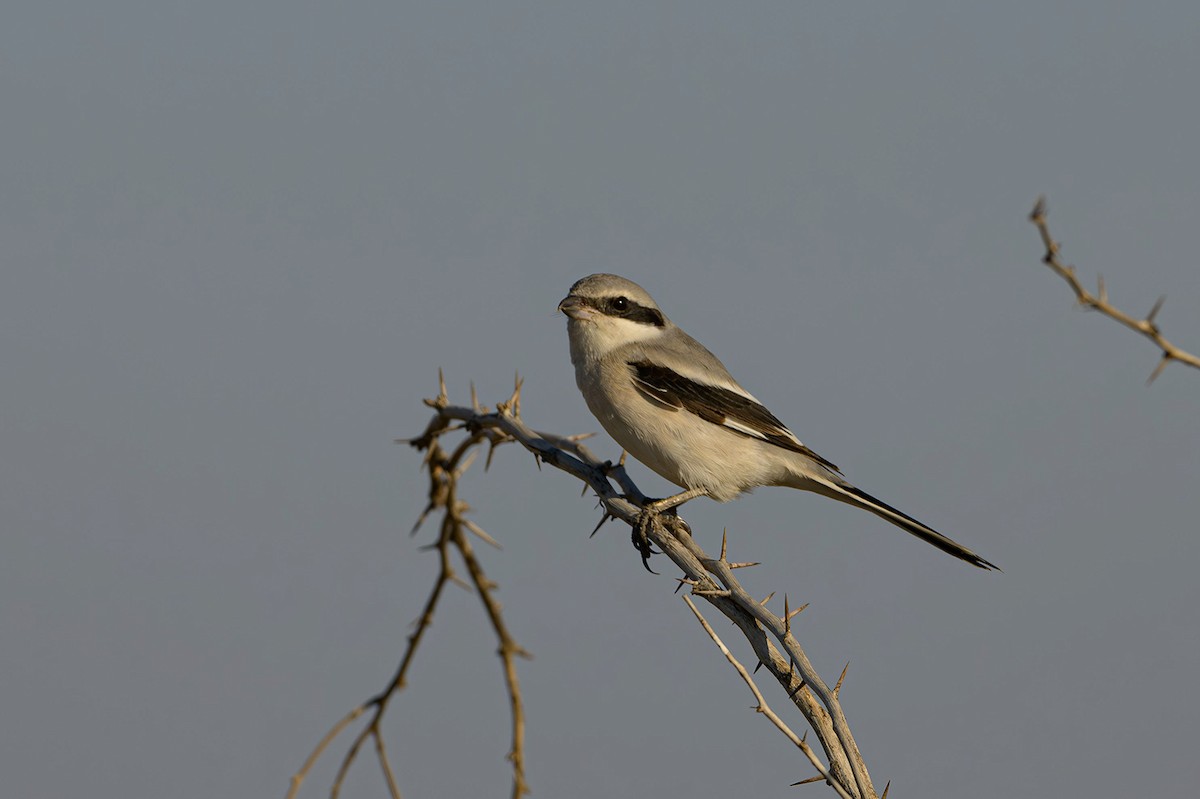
(444, 473)
(763, 707)
(1147, 325)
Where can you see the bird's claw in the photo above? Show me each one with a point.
(641, 531)
(641, 537)
(642, 540)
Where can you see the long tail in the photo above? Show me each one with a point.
(844, 492)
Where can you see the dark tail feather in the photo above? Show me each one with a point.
(855, 496)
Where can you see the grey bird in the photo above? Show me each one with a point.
(672, 404)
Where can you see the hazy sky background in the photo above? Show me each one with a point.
(240, 238)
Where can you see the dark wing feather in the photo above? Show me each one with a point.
(720, 406)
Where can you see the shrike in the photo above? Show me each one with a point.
(673, 405)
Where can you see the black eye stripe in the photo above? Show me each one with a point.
(629, 309)
(644, 316)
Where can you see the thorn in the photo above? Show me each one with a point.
(538, 460)
(603, 519)
(886, 788)
(514, 402)
(768, 599)
(756, 668)
(787, 616)
(421, 519)
(586, 486)
(838, 687)
(724, 541)
(443, 397)
(1162, 364)
(621, 460)
(474, 398)
(1154, 311)
(817, 778)
(1101, 289)
(487, 464)
(479, 531)
(461, 583)
(746, 564)
(799, 688)
(804, 737)
(1039, 209)
(797, 611)
(684, 581)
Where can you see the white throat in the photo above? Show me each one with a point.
(592, 339)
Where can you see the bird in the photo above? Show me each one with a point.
(672, 405)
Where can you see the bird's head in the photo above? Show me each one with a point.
(607, 311)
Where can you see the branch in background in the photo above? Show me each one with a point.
(1099, 301)
(769, 635)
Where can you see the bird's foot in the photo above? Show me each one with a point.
(652, 509)
(641, 529)
(641, 536)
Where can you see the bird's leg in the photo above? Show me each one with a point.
(660, 505)
(641, 529)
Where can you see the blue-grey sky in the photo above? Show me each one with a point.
(239, 240)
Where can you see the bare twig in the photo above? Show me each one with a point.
(1147, 326)
(819, 704)
(764, 708)
(444, 473)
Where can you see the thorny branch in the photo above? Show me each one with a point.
(444, 470)
(1099, 301)
(763, 707)
(770, 636)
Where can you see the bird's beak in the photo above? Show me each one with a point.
(576, 308)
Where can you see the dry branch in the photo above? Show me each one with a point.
(444, 470)
(765, 709)
(770, 636)
(1147, 326)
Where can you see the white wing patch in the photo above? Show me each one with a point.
(754, 432)
(736, 411)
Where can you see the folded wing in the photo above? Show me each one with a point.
(718, 405)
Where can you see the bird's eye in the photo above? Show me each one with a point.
(620, 304)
